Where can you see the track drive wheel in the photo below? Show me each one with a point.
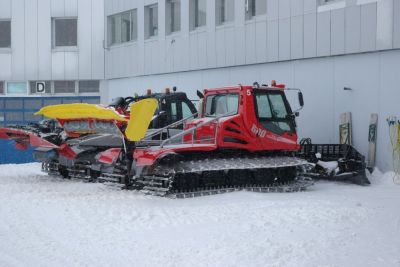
(64, 173)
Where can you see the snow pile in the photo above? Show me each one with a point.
(378, 178)
(49, 221)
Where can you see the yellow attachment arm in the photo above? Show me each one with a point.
(80, 111)
(142, 113)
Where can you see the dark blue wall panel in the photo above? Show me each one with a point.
(8, 153)
(19, 110)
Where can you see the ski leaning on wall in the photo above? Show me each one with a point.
(372, 136)
(394, 134)
(345, 129)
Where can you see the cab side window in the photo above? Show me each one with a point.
(178, 109)
(186, 112)
(174, 112)
(217, 105)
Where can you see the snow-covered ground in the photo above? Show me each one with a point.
(47, 221)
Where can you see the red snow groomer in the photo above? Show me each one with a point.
(241, 138)
(244, 138)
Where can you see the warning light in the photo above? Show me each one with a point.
(280, 86)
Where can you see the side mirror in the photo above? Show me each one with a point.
(200, 94)
(301, 99)
(297, 114)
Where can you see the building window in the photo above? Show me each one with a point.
(1, 88)
(64, 87)
(255, 8)
(173, 16)
(89, 86)
(327, 5)
(114, 33)
(123, 27)
(16, 88)
(151, 20)
(65, 32)
(34, 87)
(198, 13)
(323, 2)
(224, 11)
(5, 33)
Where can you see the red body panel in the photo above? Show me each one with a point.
(147, 156)
(242, 131)
(66, 151)
(109, 156)
(24, 137)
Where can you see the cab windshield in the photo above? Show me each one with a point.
(272, 111)
(217, 105)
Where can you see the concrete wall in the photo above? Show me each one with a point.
(31, 56)
(291, 29)
(373, 77)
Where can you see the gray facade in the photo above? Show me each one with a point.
(373, 77)
(32, 55)
(320, 48)
(290, 29)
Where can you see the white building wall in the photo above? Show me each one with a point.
(320, 49)
(32, 57)
(291, 29)
(373, 77)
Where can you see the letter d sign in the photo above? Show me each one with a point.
(40, 88)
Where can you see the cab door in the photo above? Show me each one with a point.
(275, 126)
(178, 109)
(175, 110)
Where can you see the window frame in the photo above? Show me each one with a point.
(133, 24)
(15, 94)
(194, 17)
(3, 87)
(7, 48)
(328, 2)
(88, 93)
(327, 5)
(254, 15)
(53, 91)
(148, 18)
(169, 23)
(226, 21)
(53, 35)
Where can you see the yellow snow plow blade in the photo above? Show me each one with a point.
(142, 113)
(80, 111)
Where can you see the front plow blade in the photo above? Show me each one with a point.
(350, 168)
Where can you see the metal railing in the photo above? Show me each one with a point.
(193, 129)
(173, 125)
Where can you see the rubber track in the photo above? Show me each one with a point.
(159, 183)
(234, 163)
